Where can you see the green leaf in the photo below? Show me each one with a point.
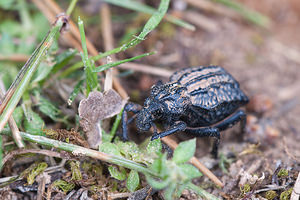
(75, 91)
(169, 193)
(159, 164)
(18, 115)
(185, 151)
(7, 4)
(42, 72)
(115, 173)
(109, 148)
(63, 59)
(133, 181)
(106, 137)
(91, 78)
(49, 109)
(158, 184)
(154, 146)
(190, 171)
(33, 123)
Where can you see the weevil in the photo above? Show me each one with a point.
(201, 101)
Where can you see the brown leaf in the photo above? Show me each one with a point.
(96, 107)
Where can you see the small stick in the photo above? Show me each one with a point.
(148, 69)
(11, 154)
(11, 122)
(15, 57)
(201, 21)
(108, 42)
(171, 143)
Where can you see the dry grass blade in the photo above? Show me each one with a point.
(148, 69)
(11, 122)
(50, 153)
(107, 33)
(15, 57)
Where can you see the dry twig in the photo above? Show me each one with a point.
(11, 122)
(11, 154)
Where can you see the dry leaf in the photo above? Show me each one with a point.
(96, 107)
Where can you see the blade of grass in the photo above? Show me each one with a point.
(116, 124)
(250, 15)
(71, 7)
(154, 20)
(139, 7)
(15, 92)
(91, 78)
(113, 64)
(75, 92)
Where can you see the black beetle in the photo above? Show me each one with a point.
(196, 100)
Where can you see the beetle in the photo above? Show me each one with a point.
(200, 100)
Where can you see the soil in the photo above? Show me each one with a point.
(266, 63)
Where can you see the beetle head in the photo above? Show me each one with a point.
(152, 111)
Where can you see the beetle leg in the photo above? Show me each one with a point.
(129, 107)
(207, 132)
(232, 120)
(180, 126)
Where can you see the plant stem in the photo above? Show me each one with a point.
(78, 150)
(71, 7)
(201, 192)
(91, 78)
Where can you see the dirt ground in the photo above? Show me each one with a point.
(266, 63)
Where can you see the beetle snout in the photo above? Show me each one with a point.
(143, 121)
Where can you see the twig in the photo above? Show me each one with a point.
(107, 34)
(201, 21)
(42, 180)
(11, 122)
(195, 162)
(270, 187)
(296, 191)
(11, 154)
(148, 69)
(15, 57)
(119, 195)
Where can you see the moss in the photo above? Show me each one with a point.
(285, 195)
(64, 185)
(246, 188)
(270, 195)
(283, 173)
